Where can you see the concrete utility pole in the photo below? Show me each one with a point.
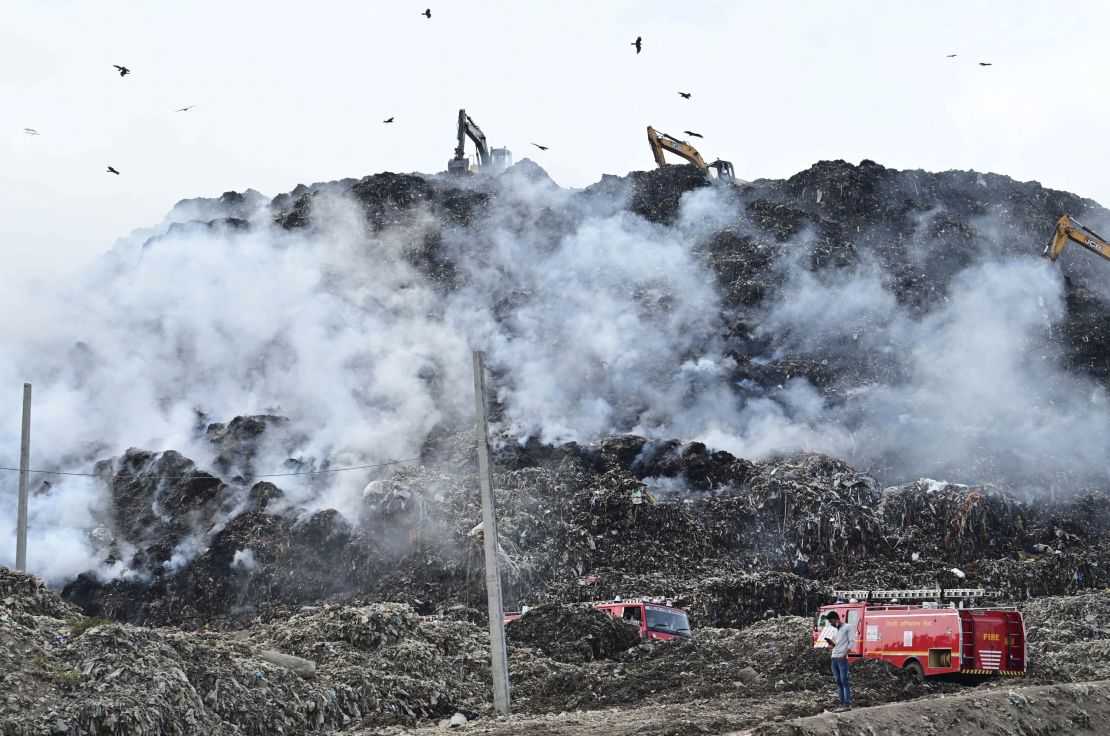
(24, 463)
(498, 655)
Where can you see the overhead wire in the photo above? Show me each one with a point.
(188, 477)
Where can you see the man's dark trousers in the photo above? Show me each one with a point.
(843, 683)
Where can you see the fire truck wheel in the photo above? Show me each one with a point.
(914, 668)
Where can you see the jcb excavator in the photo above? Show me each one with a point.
(660, 142)
(489, 161)
(1069, 229)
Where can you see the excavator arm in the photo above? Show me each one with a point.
(660, 142)
(1069, 229)
(468, 128)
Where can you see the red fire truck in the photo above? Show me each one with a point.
(934, 635)
(655, 617)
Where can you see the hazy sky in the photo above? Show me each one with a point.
(290, 92)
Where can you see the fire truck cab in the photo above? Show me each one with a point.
(656, 618)
(931, 637)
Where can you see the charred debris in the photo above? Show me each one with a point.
(741, 541)
(729, 538)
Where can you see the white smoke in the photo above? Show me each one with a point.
(595, 321)
(244, 561)
(981, 391)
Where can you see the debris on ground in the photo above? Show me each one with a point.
(582, 524)
(572, 633)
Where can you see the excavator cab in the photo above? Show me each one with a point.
(724, 170)
(500, 159)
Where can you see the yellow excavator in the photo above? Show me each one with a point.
(661, 142)
(1069, 229)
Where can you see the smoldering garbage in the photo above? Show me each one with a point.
(577, 524)
(228, 573)
(581, 523)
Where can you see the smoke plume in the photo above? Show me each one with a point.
(595, 321)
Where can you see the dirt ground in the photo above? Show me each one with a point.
(1047, 709)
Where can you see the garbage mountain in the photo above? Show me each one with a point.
(732, 394)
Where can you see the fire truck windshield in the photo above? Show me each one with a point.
(667, 621)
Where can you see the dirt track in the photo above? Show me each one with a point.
(1076, 708)
(1045, 709)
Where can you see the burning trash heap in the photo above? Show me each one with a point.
(233, 586)
(764, 538)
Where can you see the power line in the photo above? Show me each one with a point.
(188, 477)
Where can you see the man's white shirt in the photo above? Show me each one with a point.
(843, 640)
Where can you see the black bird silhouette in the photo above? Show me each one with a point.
(112, 171)
(427, 13)
(184, 109)
(685, 95)
(638, 43)
(950, 56)
(696, 135)
(31, 131)
(542, 148)
(984, 63)
(123, 71)
(390, 120)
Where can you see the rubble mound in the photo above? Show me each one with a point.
(572, 633)
(334, 667)
(958, 520)
(374, 665)
(25, 595)
(580, 523)
(1068, 639)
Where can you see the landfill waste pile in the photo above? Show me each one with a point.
(736, 395)
(184, 533)
(589, 523)
(1069, 638)
(323, 668)
(333, 667)
(569, 633)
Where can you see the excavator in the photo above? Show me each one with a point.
(1070, 229)
(661, 142)
(489, 161)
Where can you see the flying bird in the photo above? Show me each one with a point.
(184, 109)
(984, 63)
(685, 95)
(950, 56)
(638, 43)
(31, 131)
(542, 148)
(112, 171)
(696, 135)
(390, 120)
(427, 14)
(123, 71)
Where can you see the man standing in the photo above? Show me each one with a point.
(841, 641)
